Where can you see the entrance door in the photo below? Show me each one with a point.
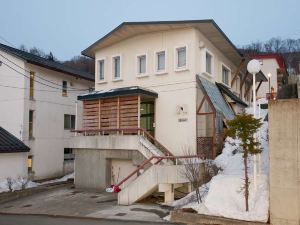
(147, 116)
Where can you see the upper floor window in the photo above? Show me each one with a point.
(180, 57)
(117, 67)
(141, 64)
(208, 60)
(161, 61)
(101, 69)
(30, 124)
(31, 85)
(64, 88)
(69, 122)
(225, 75)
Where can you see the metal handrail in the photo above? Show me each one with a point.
(149, 160)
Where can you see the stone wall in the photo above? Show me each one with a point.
(284, 135)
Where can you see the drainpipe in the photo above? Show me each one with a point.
(76, 118)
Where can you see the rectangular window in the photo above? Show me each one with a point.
(117, 67)
(68, 154)
(29, 163)
(141, 61)
(225, 75)
(30, 131)
(101, 69)
(160, 60)
(64, 88)
(208, 63)
(181, 57)
(31, 85)
(69, 122)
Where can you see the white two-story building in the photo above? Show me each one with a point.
(170, 86)
(38, 104)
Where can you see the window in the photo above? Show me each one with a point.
(161, 61)
(31, 85)
(101, 69)
(225, 75)
(117, 67)
(208, 63)
(69, 122)
(29, 163)
(141, 63)
(30, 131)
(64, 88)
(181, 57)
(68, 154)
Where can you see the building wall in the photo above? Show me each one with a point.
(174, 88)
(268, 66)
(12, 96)
(13, 165)
(284, 161)
(50, 137)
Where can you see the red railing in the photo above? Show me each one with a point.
(160, 158)
(124, 131)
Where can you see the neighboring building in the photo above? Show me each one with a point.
(13, 156)
(38, 105)
(273, 64)
(178, 81)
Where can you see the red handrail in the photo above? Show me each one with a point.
(148, 160)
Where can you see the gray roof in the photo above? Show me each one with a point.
(225, 90)
(9, 143)
(216, 97)
(133, 90)
(46, 63)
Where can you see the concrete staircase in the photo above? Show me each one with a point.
(161, 178)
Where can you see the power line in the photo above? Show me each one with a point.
(11, 44)
(35, 75)
(39, 81)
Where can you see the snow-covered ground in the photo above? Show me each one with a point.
(223, 195)
(17, 183)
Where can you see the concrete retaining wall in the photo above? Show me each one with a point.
(284, 134)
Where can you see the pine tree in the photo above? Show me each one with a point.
(244, 127)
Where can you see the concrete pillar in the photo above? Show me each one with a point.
(168, 190)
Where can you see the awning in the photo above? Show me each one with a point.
(134, 90)
(226, 91)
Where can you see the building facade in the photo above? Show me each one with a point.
(38, 105)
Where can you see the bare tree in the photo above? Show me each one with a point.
(23, 181)
(9, 183)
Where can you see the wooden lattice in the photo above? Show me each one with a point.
(205, 147)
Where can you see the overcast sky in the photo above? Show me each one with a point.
(66, 27)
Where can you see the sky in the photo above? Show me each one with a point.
(66, 27)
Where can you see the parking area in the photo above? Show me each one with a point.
(67, 201)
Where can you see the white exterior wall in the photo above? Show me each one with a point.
(50, 138)
(12, 99)
(268, 66)
(174, 88)
(13, 165)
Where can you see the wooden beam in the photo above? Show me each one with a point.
(243, 80)
(139, 111)
(237, 71)
(258, 86)
(247, 91)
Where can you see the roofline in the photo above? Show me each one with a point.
(278, 57)
(15, 150)
(84, 52)
(42, 65)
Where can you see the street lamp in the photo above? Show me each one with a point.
(269, 77)
(254, 67)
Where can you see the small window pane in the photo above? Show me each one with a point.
(181, 57)
(64, 88)
(117, 67)
(101, 69)
(142, 64)
(160, 61)
(225, 75)
(208, 63)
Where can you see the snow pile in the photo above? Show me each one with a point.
(65, 178)
(223, 195)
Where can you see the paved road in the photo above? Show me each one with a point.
(49, 220)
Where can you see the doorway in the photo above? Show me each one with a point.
(147, 117)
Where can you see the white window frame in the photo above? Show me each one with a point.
(212, 62)
(229, 74)
(98, 70)
(138, 74)
(113, 68)
(159, 72)
(182, 68)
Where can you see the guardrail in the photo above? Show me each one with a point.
(125, 131)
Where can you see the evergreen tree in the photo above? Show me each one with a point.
(244, 127)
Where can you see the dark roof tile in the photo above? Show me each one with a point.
(9, 143)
